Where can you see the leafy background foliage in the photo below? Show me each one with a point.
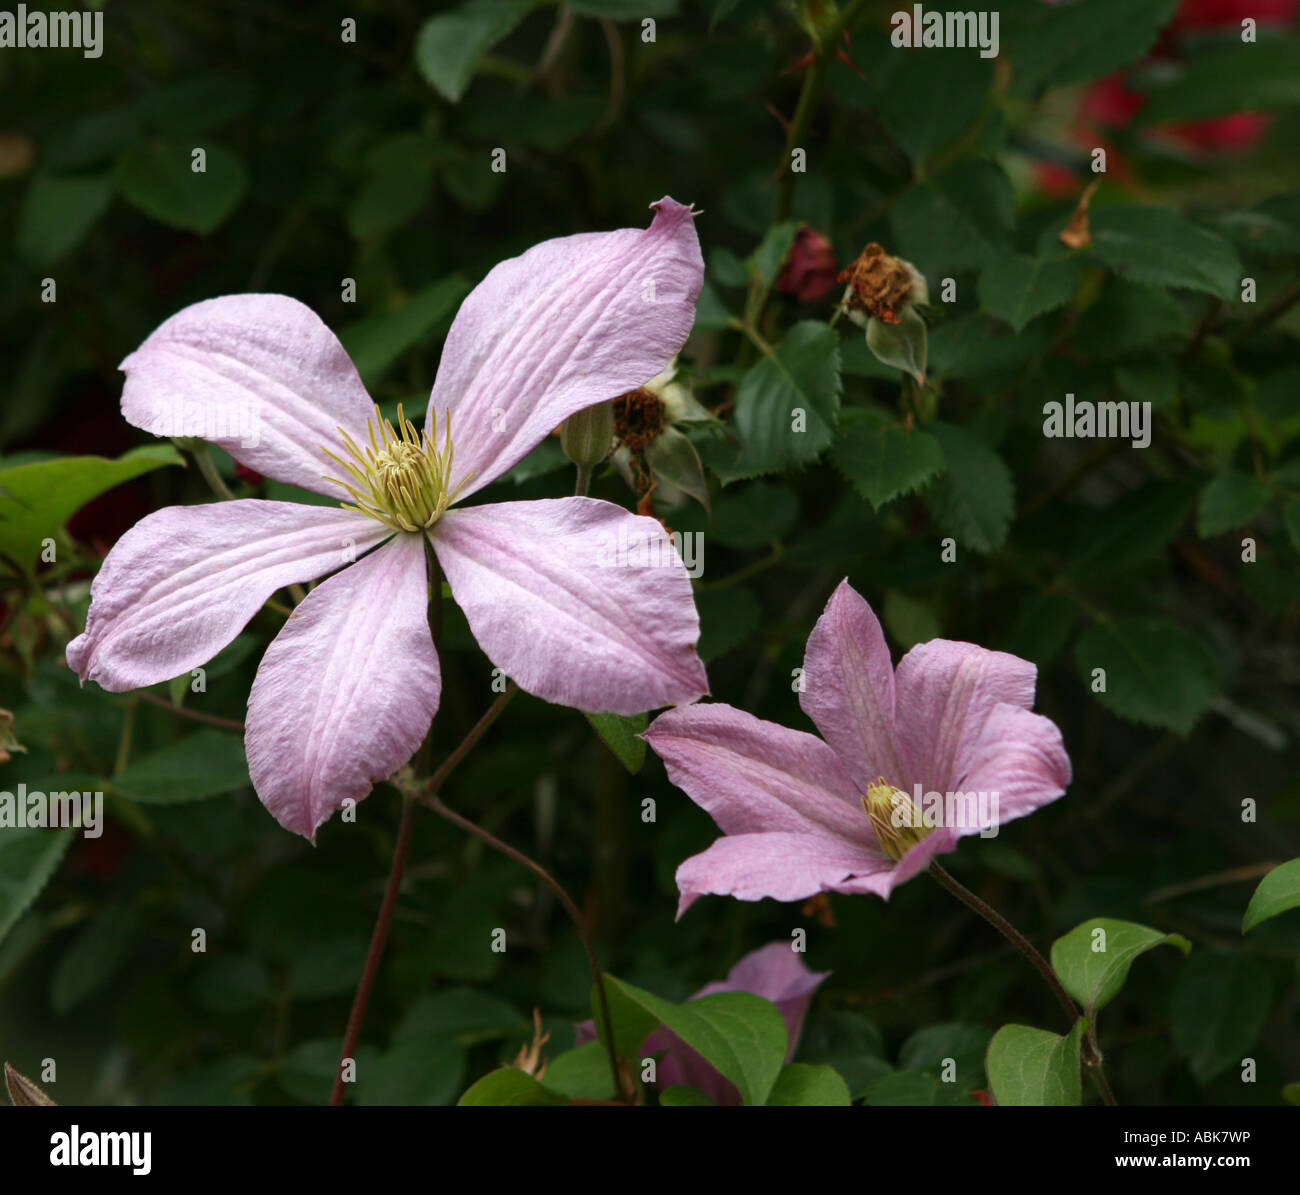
(371, 161)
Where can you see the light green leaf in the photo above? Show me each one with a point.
(37, 499)
(673, 459)
(632, 1021)
(510, 1088)
(743, 1035)
(1229, 501)
(903, 345)
(1155, 246)
(1017, 288)
(620, 735)
(57, 212)
(582, 1073)
(883, 460)
(800, 1085)
(1033, 1068)
(157, 178)
(1156, 673)
(1094, 976)
(1277, 892)
(199, 766)
(449, 47)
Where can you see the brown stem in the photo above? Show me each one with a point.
(197, 715)
(433, 802)
(378, 940)
(1090, 1054)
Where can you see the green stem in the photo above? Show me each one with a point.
(1090, 1055)
(203, 458)
(808, 97)
(124, 739)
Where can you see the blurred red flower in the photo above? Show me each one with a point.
(1110, 103)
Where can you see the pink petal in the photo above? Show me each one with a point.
(260, 375)
(184, 581)
(753, 776)
(571, 322)
(577, 601)
(946, 692)
(346, 691)
(849, 690)
(782, 866)
(1019, 756)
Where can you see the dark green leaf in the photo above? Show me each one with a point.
(1156, 672)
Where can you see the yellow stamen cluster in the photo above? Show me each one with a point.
(894, 817)
(402, 477)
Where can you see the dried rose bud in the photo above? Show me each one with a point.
(811, 270)
(638, 418)
(881, 286)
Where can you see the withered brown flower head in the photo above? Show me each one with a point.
(878, 284)
(638, 419)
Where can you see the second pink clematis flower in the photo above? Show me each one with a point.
(852, 811)
(347, 690)
(777, 973)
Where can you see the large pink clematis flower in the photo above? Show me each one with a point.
(346, 692)
(894, 780)
(775, 972)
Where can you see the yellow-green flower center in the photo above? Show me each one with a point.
(896, 821)
(402, 477)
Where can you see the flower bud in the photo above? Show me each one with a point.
(811, 271)
(587, 435)
(881, 286)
